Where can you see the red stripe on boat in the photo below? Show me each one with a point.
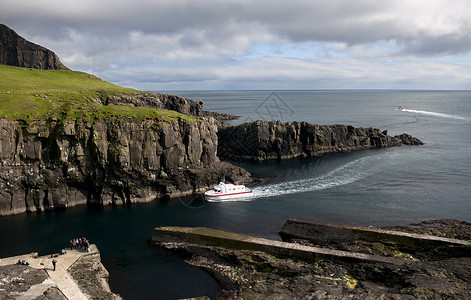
(222, 195)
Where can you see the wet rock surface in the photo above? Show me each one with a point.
(262, 140)
(245, 274)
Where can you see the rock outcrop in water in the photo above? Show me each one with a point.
(262, 140)
(16, 51)
(53, 164)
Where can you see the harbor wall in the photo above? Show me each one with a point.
(217, 238)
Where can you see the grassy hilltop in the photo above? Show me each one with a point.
(31, 94)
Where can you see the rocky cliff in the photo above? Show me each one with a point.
(172, 102)
(157, 100)
(16, 51)
(52, 164)
(262, 140)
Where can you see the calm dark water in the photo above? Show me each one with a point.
(377, 187)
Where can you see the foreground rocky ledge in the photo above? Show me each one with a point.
(262, 140)
(78, 275)
(254, 268)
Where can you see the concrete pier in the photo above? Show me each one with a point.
(212, 237)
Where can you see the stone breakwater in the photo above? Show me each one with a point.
(329, 261)
(53, 164)
(262, 140)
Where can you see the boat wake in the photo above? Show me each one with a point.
(435, 114)
(348, 173)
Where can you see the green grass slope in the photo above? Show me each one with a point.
(31, 94)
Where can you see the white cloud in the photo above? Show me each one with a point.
(255, 44)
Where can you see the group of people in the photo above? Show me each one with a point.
(22, 262)
(80, 243)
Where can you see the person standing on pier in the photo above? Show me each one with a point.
(54, 262)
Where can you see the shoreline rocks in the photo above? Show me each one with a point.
(269, 140)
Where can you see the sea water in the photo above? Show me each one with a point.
(394, 186)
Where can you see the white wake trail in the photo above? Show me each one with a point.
(436, 114)
(343, 175)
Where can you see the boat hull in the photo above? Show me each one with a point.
(227, 197)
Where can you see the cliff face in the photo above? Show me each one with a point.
(263, 140)
(16, 51)
(50, 165)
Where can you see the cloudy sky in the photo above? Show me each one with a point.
(247, 44)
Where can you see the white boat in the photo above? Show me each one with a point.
(227, 191)
(401, 108)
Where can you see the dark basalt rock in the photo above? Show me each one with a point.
(18, 52)
(448, 228)
(409, 140)
(262, 140)
(54, 165)
(219, 116)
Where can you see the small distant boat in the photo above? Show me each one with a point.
(227, 191)
(401, 108)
